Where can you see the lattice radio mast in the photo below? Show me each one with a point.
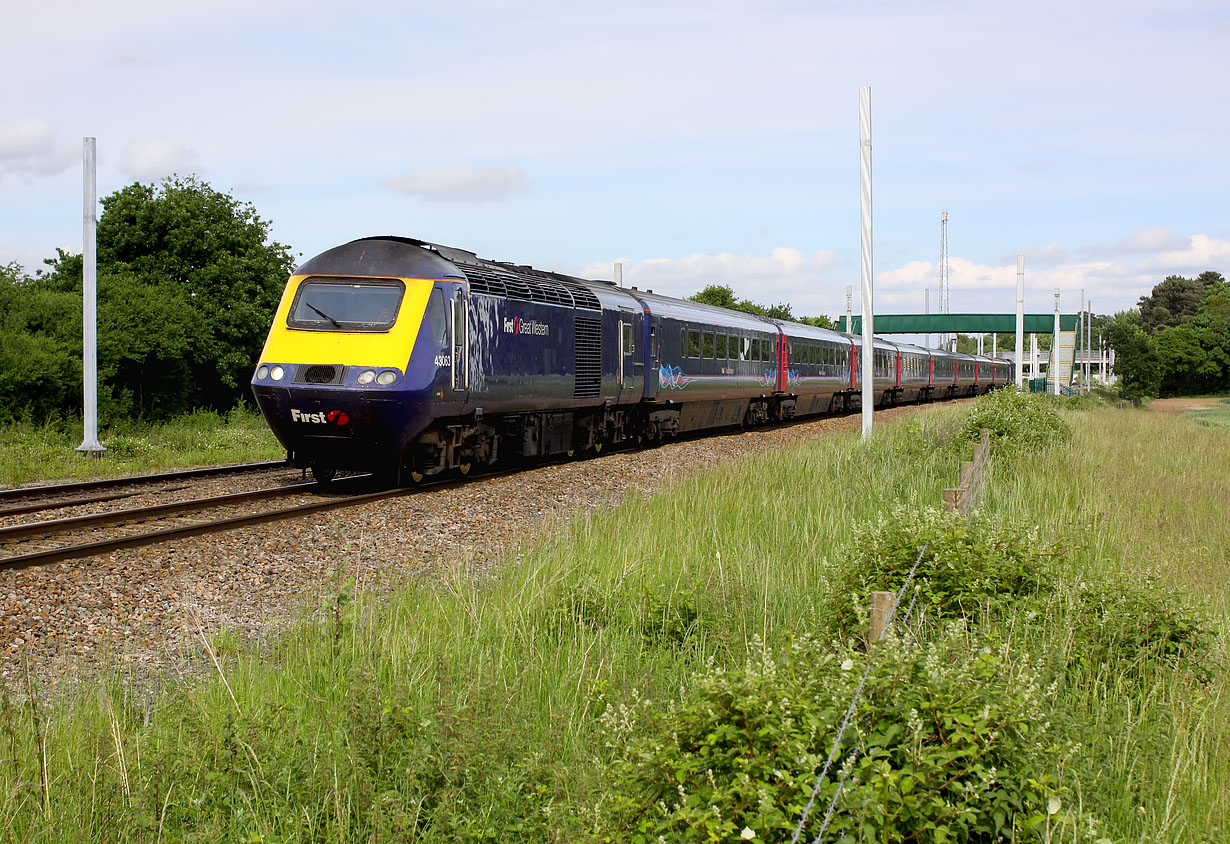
(944, 269)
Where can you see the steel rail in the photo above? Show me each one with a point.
(93, 549)
(130, 480)
(54, 526)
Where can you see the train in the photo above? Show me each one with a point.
(406, 359)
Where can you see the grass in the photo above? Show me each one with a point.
(464, 710)
(30, 452)
(1212, 417)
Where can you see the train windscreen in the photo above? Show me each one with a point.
(346, 305)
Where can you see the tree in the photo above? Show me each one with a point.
(723, 296)
(188, 283)
(40, 348)
(1175, 300)
(1136, 361)
(1186, 365)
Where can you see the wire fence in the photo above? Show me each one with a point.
(962, 500)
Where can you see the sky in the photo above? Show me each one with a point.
(695, 142)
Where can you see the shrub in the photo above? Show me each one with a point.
(1133, 630)
(1018, 421)
(953, 741)
(966, 566)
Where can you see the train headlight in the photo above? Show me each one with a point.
(277, 373)
(386, 378)
(367, 376)
(262, 371)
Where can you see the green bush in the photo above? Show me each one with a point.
(1018, 421)
(967, 566)
(1133, 630)
(954, 741)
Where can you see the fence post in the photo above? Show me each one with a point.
(881, 610)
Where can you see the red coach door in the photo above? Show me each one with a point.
(782, 350)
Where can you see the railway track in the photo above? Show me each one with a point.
(32, 499)
(79, 537)
(76, 538)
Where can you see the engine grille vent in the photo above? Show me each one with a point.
(588, 360)
(320, 374)
(530, 286)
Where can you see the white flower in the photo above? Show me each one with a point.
(747, 833)
(847, 665)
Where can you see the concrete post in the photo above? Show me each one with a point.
(89, 308)
(864, 130)
(1020, 322)
(1054, 376)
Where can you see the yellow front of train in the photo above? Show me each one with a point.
(351, 370)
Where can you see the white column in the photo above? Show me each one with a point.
(1089, 343)
(89, 308)
(1020, 321)
(864, 143)
(619, 274)
(1054, 376)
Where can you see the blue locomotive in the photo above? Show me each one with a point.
(408, 358)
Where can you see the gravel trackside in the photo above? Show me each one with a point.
(146, 609)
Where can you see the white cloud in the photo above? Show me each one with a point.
(1050, 254)
(1153, 239)
(28, 149)
(784, 275)
(811, 284)
(152, 160)
(1113, 285)
(461, 183)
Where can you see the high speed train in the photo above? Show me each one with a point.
(407, 359)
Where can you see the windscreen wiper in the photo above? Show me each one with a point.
(323, 314)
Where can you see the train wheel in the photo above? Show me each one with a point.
(323, 475)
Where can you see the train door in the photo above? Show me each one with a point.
(459, 336)
(783, 361)
(650, 354)
(631, 361)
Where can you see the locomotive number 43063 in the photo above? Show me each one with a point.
(444, 360)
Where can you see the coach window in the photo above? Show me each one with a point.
(437, 319)
(629, 348)
(683, 342)
(707, 347)
(721, 347)
(766, 349)
(693, 343)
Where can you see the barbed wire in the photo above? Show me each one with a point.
(845, 722)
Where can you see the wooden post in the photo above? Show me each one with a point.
(881, 609)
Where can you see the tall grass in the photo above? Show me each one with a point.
(468, 709)
(30, 452)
